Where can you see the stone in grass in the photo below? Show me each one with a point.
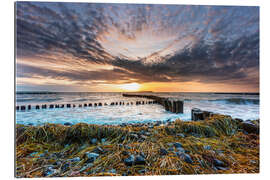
(91, 157)
(50, 171)
(129, 161)
(133, 136)
(139, 160)
(113, 171)
(65, 167)
(68, 124)
(142, 171)
(76, 159)
(143, 137)
(163, 152)
(94, 141)
(98, 150)
(127, 147)
(180, 149)
(147, 133)
(177, 145)
(86, 167)
(207, 147)
(222, 168)
(103, 140)
(180, 135)
(184, 157)
(219, 163)
(250, 127)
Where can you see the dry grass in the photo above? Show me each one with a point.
(39, 147)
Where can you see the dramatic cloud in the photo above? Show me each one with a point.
(86, 43)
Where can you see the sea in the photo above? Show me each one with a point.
(238, 105)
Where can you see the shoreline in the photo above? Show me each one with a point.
(219, 144)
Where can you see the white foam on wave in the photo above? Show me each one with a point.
(132, 114)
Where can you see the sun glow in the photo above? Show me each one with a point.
(130, 87)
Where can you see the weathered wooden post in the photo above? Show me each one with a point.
(196, 114)
(174, 106)
(23, 108)
(180, 107)
(166, 105)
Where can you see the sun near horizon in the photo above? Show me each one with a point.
(130, 87)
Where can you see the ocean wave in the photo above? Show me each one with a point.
(238, 101)
(38, 99)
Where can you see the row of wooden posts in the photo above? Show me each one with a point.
(51, 106)
(174, 106)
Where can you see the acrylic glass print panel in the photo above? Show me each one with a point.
(136, 89)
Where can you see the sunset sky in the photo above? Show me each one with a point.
(124, 47)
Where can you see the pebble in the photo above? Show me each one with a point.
(91, 157)
(94, 141)
(163, 152)
(65, 167)
(207, 147)
(134, 136)
(68, 124)
(139, 160)
(142, 171)
(113, 171)
(129, 161)
(98, 150)
(222, 168)
(180, 135)
(147, 133)
(177, 145)
(179, 149)
(185, 157)
(219, 163)
(49, 171)
(127, 147)
(143, 137)
(86, 167)
(103, 140)
(76, 159)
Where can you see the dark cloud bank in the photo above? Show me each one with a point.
(224, 48)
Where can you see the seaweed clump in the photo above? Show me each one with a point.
(219, 144)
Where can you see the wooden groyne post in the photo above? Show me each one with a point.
(174, 106)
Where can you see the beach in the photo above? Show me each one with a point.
(218, 144)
